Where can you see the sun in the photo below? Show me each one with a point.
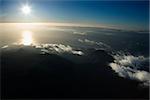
(26, 9)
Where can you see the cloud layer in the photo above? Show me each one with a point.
(128, 66)
(58, 48)
(51, 48)
(100, 44)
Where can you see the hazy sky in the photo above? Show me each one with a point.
(127, 14)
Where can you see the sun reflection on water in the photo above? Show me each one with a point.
(27, 38)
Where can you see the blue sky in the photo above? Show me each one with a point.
(128, 14)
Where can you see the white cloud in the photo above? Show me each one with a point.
(57, 48)
(100, 44)
(127, 66)
(80, 33)
(6, 46)
(51, 48)
(78, 52)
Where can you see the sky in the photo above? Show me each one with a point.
(123, 14)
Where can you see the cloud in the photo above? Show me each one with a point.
(6, 46)
(73, 31)
(128, 66)
(51, 48)
(100, 44)
(80, 33)
(58, 48)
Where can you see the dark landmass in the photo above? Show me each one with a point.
(28, 74)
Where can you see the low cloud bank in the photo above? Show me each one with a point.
(51, 48)
(58, 48)
(100, 44)
(81, 33)
(128, 66)
(6, 46)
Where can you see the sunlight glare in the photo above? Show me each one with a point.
(26, 9)
(27, 38)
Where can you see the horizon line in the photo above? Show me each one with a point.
(74, 25)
